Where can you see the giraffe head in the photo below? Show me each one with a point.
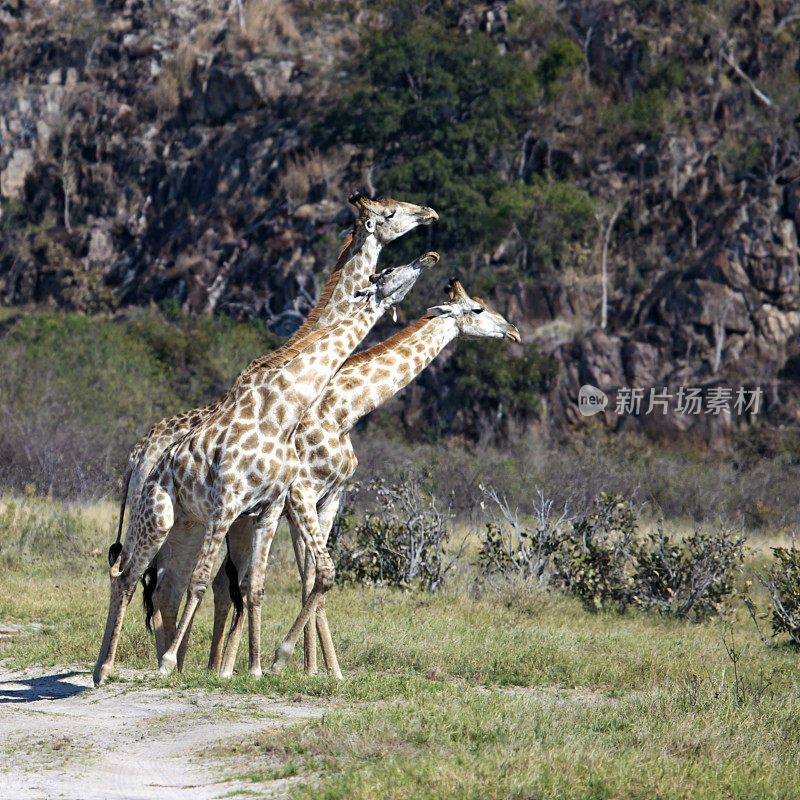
(388, 219)
(473, 317)
(394, 283)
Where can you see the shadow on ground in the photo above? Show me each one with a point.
(46, 687)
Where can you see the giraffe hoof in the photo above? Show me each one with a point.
(282, 656)
(168, 663)
(226, 673)
(100, 674)
(256, 672)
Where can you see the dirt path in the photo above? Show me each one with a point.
(61, 739)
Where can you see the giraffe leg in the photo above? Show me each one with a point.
(326, 512)
(158, 630)
(240, 540)
(303, 506)
(122, 589)
(310, 629)
(148, 527)
(185, 641)
(305, 565)
(222, 607)
(215, 533)
(169, 620)
(300, 558)
(263, 534)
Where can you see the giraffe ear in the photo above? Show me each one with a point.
(369, 224)
(441, 311)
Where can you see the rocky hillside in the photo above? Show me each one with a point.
(176, 150)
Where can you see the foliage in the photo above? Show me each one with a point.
(694, 575)
(509, 549)
(782, 582)
(551, 219)
(400, 543)
(491, 383)
(597, 562)
(603, 560)
(76, 392)
(562, 55)
(443, 108)
(647, 116)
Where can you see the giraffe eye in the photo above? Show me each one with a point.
(390, 214)
(478, 310)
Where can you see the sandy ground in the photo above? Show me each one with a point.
(60, 738)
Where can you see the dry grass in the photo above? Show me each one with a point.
(302, 171)
(175, 79)
(268, 24)
(472, 693)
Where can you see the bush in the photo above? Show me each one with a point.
(690, 576)
(491, 384)
(597, 563)
(561, 57)
(444, 109)
(76, 392)
(602, 559)
(511, 550)
(782, 582)
(399, 544)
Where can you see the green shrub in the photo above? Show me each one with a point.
(400, 542)
(693, 575)
(442, 108)
(782, 582)
(647, 116)
(561, 57)
(551, 217)
(76, 392)
(510, 549)
(491, 384)
(603, 560)
(597, 563)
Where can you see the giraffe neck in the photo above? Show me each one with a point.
(368, 379)
(353, 274)
(298, 382)
(357, 261)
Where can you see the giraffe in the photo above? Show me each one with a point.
(328, 461)
(241, 459)
(378, 223)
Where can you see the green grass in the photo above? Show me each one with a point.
(503, 693)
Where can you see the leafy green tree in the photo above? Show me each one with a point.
(492, 383)
(444, 110)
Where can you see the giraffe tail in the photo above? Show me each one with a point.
(149, 580)
(233, 586)
(116, 548)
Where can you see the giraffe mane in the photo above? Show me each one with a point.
(330, 286)
(290, 350)
(390, 344)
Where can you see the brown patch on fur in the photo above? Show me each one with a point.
(238, 429)
(251, 442)
(390, 344)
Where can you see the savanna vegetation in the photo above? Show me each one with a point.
(480, 689)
